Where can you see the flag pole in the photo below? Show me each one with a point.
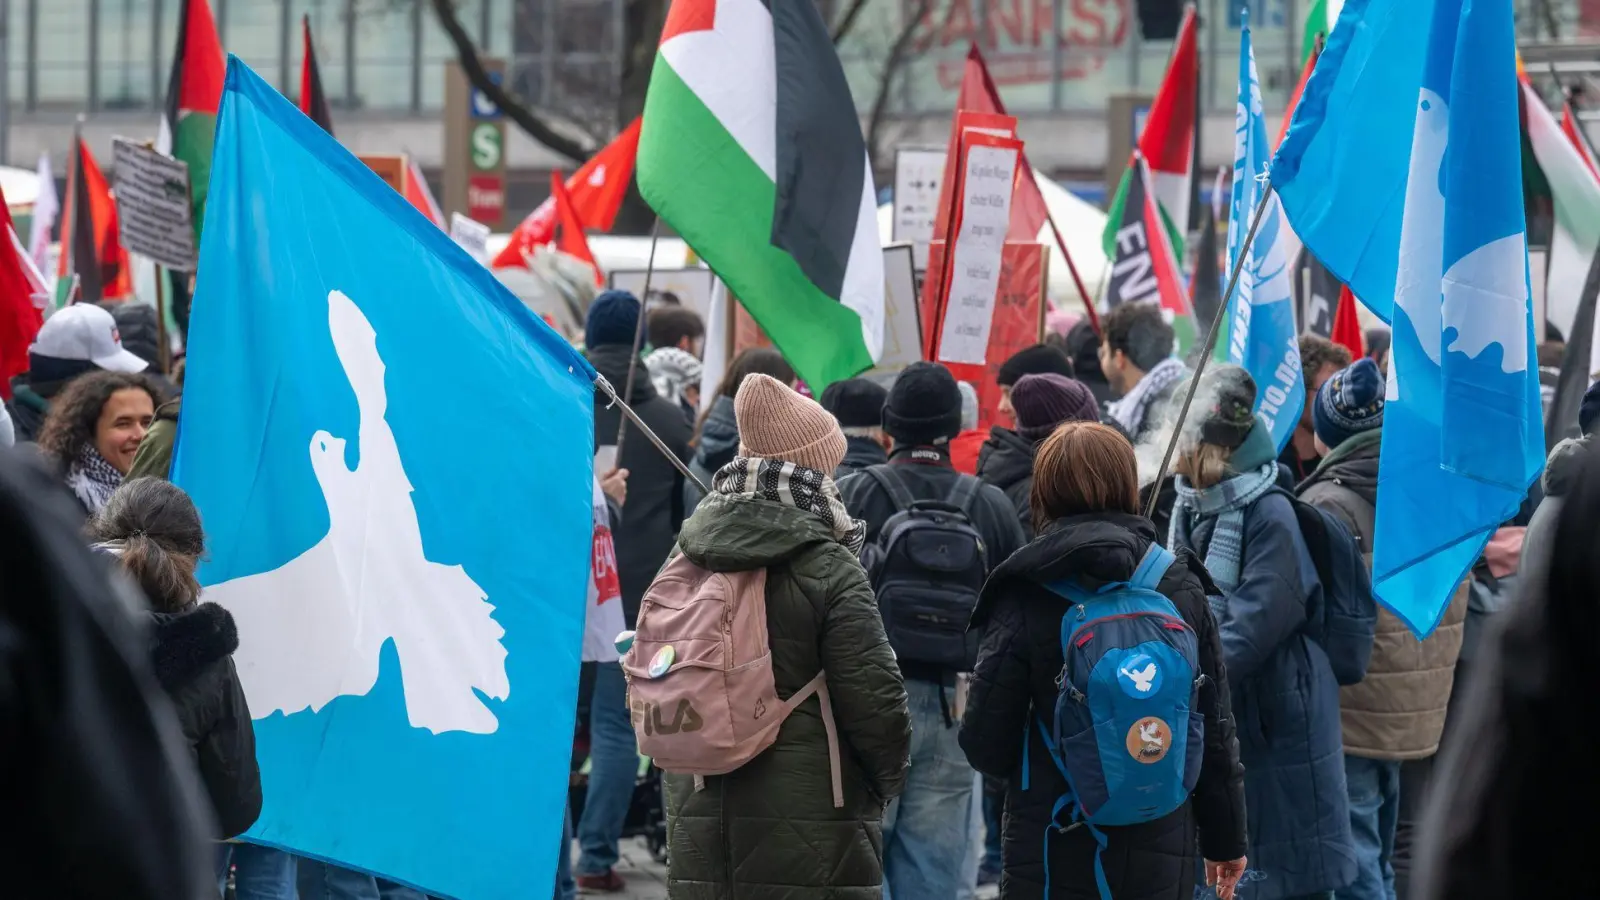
(1211, 342)
(638, 339)
(628, 415)
(1072, 269)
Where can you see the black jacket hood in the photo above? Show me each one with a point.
(183, 645)
(1006, 458)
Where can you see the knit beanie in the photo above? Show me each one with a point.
(1035, 360)
(1349, 403)
(855, 402)
(1045, 401)
(924, 406)
(1589, 408)
(775, 422)
(1227, 421)
(613, 319)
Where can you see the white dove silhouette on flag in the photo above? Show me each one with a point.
(312, 629)
(1143, 678)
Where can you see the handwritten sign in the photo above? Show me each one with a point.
(987, 176)
(153, 210)
(471, 235)
(917, 172)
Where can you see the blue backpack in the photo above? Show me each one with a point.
(1127, 737)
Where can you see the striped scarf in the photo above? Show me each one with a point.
(791, 485)
(1226, 502)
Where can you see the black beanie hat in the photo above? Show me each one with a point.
(1040, 359)
(856, 402)
(924, 406)
(1232, 412)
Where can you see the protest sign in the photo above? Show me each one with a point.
(902, 329)
(966, 123)
(972, 271)
(692, 285)
(470, 235)
(917, 173)
(1021, 303)
(153, 209)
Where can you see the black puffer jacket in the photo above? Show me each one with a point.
(1006, 461)
(1017, 666)
(655, 487)
(860, 453)
(193, 656)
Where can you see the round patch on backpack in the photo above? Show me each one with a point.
(1139, 676)
(1149, 740)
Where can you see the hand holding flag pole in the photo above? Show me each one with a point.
(1211, 342)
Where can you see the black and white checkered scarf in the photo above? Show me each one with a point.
(784, 482)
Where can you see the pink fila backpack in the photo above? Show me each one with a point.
(700, 686)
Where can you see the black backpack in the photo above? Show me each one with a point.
(1346, 619)
(927, 568)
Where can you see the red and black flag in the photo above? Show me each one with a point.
(313, 99)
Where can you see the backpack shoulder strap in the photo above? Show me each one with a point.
(962, 495)
(890, 481)
(1152, 567)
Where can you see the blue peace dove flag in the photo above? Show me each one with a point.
(1402, 172)
(1262, 336)
(392, 458)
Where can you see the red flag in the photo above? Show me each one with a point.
(1299, 89)
(20, 318)
(595, 191)
(572, 240)
(1346, 324)
(1570, 127)
(420, 196)
(978, 94)
(313, 100)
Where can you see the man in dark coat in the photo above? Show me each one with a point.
(927, 844)
(1016, 675)
(655, 486)
(858, 405)
(1041, 404)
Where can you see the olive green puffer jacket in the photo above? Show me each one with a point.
(769, 831)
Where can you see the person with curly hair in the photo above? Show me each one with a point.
(94, 429)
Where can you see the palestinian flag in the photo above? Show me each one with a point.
(1144, 268)
(751, 150)
(91, 246)
(194, 91)
(1167, 143)
(1579, 138)
(1554, 167)
(313, 99)
(1320, 19)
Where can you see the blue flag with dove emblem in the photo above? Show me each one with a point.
(1402, 172)
(1262, 336)
(392, 458)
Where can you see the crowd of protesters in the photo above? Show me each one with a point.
(928, 570)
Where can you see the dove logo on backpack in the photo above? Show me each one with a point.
(1126, 736)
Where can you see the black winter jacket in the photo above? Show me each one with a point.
(1018, 663)
(655, 486)
(193, 656)
(1006, 461)
(860, 453)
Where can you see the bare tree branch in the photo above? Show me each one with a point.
(891, 69)
(848, 20)
(514, 108)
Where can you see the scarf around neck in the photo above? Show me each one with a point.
(777, 481)
(1131, 410)
(92, 479)
(1226, 502)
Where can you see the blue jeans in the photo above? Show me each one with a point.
(566, 888)
(613, 769)
(325, 881)
(1374, 787)
(262, 873)
(927, 832)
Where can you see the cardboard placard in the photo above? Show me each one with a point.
(391, 167)
(471, 235)
(153, 210)
(918, 174)
(971, 273)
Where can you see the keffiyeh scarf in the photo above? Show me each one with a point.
(93, 480)
(672, 371)
(1226, 502)
(1131, 410)
(783, 482)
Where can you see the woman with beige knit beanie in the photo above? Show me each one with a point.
(772, 822)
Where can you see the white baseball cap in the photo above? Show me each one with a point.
(84, 331)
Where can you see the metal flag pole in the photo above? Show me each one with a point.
(604, 387)
(1211, 342)
(638, 341)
